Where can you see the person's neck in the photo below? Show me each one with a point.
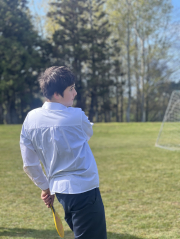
(52, 101)
(55, 101)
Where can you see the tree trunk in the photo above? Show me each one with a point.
(137, 78)
(12, 117)
(117, 100)
(93, 90)
(1, 114)
(128, 69)
(122, 101)
(81, 102)
(91, 110)
(142, 81)
(148, 80)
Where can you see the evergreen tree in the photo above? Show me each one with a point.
(99, 61)
(81, 42)
(70, 40)
(20, 49)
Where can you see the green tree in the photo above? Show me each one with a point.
(70, 39)
(99, 64)
(22, 55)
(80, 41)
(141, 26)
(122, 22)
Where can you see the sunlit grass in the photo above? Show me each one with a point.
(139, 184)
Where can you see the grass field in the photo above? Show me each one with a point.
(140, 186)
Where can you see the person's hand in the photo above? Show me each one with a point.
(47, 198)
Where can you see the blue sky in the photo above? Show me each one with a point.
(37, 5)
(36, 8)
(176, 3)
(176, 10)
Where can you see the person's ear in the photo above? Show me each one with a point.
(57, 96)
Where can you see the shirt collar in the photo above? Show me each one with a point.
(53, 106)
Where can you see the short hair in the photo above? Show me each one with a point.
(55, 80)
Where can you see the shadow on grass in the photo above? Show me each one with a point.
(47, 233)
(111, 235)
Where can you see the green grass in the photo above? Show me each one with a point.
(139, 184)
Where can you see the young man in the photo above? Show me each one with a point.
(56, 134)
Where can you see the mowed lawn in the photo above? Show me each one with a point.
(139, 183)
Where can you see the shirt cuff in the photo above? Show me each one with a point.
(44, 186)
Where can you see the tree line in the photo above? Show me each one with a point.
(118, 50)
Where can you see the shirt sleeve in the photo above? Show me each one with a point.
(31, 163)
(87, 126)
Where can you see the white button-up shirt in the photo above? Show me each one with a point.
(57, 137)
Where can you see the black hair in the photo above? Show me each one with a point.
(55, 80)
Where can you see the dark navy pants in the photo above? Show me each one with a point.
(84, 213)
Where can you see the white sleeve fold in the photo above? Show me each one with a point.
(31, 163)
(35, 173)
